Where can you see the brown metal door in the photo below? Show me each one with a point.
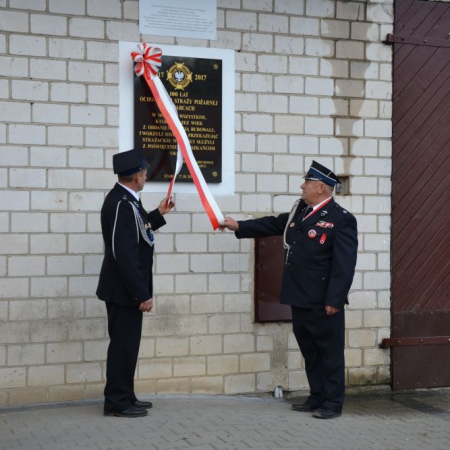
(421, 195)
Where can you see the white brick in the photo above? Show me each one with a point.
(303, 65)
(47, 243)
(380, 13)
(85, 157)
(386, 72)
(272, 63)
(363, 185)
(289, 84)
(378, 166)
(27, 45)
(47, 156)
(245, 61)
(305, 26)
(100, 51)
(257, 83)
(333, 146)
(379, 52)
(131, 10)
(48, 287)
(14, 21)
(361, 338)
(26, 266)
(15, 112)
(64, 352)
(319, 86)
(256, 163)
(12, 378)
(319, 47)
(379, 89)
(334, 28)
(48, 113)
(65, 92)
(66, 48)
(246, 102)
(103, 95)
(363, 147)
(273, 103)
(349, 50)
(48, 24)
(69, 7)
(258, 123)
(64, 265)
(378, 128)
(239, 343)
(323, 8)
(241, 20)
(27, 309)
(4, 228)
(69, 179)
(273, 24)
(26, 134)
(122, 31)
(85, 243)
(377, 280)
(318, 126)
(172, 346)
(255, 363)
(288, 164)
(349, 127)
(84, 287)
(257, 42)
(13, 67)
(365, 31)
(366, 261)
(4, 88)
(377, 242)
(333, 107)
(205, 263)
(88, 72)
(224, 283)
(206, 304)
(288, 124)
(191, 283)
(92, 265)
(104, 8)
(113, 116)
(36, 5)
(364, 70)
(45, 375)
(13, 244)
(48, 69)
(289, 45)
(65, 135)
(86, 28)
(271, 183)
(81, 373)
(350, 10)
(27, 354)
(29, 222)
(236, 263)
(172, 263)
(252, 203)
(334, 68)
(349, 88)
(85, 201)
(304, 145)
(363, 108)
(350, 166)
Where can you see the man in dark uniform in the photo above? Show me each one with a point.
(321, 244)
(125, 283)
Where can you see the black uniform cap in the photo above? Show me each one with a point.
(317, 172)
(129, 162)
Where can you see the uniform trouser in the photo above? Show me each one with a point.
(321, 339)
(124, 328)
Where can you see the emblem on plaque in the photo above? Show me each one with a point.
(179, 76)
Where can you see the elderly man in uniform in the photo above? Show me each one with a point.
(125, 283)
(321, 244)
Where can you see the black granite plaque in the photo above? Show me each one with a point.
(195, 87)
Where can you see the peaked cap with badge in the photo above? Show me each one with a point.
(129, 162)
(317, 172)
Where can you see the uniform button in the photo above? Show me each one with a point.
(291, 253)
(295, 242)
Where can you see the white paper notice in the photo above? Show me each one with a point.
(193, 18)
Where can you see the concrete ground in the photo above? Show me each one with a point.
(378, 420)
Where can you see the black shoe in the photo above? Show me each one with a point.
(129, 412)
(326, 413)
(304, 407)
(142, 405)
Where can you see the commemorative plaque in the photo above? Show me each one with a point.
(195, 88)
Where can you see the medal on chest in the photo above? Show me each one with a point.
(312, 234)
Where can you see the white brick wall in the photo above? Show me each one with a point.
(313, 81)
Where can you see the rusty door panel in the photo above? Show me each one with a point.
(420, 194)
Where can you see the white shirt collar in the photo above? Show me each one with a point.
(130, 191)
(321, 203)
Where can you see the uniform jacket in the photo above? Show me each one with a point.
(320, 263)
(126, 273)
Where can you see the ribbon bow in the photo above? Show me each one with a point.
(148, 60)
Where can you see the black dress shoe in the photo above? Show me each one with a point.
(132, 411)
(142, 405)
(326, 413)
(304, 407)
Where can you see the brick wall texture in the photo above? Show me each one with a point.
(313, 81)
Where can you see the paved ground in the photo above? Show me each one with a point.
(381, 421)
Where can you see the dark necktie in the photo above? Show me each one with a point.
(308, 210)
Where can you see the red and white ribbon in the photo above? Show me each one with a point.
(148, 60)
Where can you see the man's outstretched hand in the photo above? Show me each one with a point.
(166, 205)
(230, 224)
(146, 306)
